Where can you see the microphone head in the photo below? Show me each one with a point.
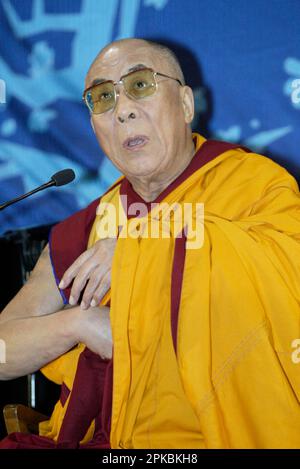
(63, 177)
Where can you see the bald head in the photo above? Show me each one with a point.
(164, 53)
(148, 138)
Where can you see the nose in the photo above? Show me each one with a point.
(130, 116)
(125, 109)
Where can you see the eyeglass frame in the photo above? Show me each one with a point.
(120, 82)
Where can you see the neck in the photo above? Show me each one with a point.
(150, 188)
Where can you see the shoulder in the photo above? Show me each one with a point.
(242, 166)
(81, 221)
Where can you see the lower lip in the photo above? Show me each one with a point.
(136, 147)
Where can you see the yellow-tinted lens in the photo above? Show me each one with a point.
(140, 84)
(100, 98)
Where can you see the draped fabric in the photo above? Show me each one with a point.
(238, 316)
(218, 320)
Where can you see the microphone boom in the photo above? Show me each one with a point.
(58, 179)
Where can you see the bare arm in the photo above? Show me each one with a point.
(39, 296)
(35, 328)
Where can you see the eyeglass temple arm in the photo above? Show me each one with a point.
(167, 76)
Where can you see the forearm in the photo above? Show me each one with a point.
(32, 342)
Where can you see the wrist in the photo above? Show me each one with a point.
(84, 322)
(73, 324)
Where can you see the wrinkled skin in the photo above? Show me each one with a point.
(163, 118)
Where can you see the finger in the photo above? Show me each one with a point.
(80, 280)
(72, 271)
(93, 283)
(102, 288)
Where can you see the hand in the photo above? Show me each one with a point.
(94, 330)
(91, 270)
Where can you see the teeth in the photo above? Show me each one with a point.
(135, 141)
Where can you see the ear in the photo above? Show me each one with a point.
(187, 99)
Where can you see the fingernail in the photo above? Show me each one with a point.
(93, 302)
(83, 305)
(62, 284)
(71, 300)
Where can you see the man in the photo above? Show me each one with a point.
(203, 329)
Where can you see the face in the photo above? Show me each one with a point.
(150, 144)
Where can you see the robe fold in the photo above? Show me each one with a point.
(203, 337)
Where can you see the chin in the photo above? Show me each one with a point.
(140, 171)
(140, 167)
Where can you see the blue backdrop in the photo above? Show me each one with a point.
(241, 58)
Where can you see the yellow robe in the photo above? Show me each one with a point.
(234, 381)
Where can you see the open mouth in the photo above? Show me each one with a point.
(135, 143)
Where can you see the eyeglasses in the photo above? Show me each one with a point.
(138, 84)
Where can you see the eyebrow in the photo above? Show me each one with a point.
(137, 67)
(97, 81)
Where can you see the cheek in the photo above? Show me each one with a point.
(104, 134)
(167, 114)
(165, 125)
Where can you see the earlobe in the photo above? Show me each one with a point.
(188, 104)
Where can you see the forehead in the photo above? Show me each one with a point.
(117, 60)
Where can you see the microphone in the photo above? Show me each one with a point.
(58, 179)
